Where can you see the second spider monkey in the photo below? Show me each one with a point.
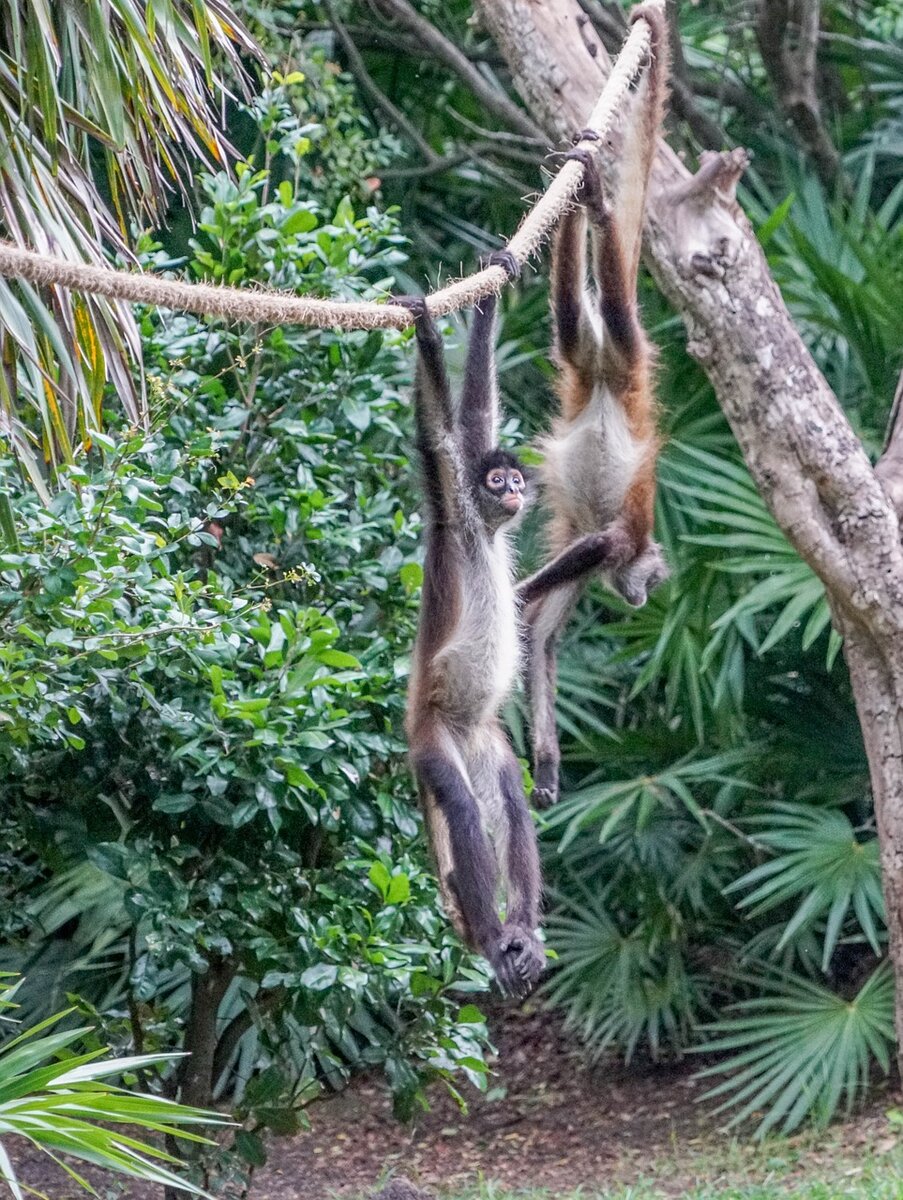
(466, 657)
(599, 471)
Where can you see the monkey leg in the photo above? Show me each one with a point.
(498, 788)
(545, 618)
(466, 861)
(609, 549)
(520, 946)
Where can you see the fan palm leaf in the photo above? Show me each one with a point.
(800, 1049)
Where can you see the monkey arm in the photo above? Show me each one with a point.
(609, 548)
(479, 396)
(433, 409)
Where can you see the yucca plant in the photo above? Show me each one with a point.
(104, 97)
(59, 1099)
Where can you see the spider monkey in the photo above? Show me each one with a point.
(466, 656)
(598, 475)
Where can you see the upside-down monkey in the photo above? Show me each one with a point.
(598, 475)
(466, 656)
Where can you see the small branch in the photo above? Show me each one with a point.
(465, 154)
(447, 52)
(611, 24)
(729, 92)
(500, 136)
(368, 85)
(889, 467)
(369, 38)
(707, 132)
(793, 74)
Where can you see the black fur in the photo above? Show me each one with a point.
(456, 742)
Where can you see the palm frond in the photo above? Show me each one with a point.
(820, 859)
(135, 82)
(799, 1049)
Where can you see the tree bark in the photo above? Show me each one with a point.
(807, 462)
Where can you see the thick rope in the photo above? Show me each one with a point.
(280, 308)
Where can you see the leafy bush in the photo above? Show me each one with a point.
(201, 684)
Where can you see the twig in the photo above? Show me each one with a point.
(379, 98)
(502, 136)
(447, 52)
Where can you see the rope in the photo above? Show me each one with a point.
(280, 308)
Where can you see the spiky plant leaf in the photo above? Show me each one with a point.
(128, 85)
(620, 988)
(799, 1049)
(59, 1100)
(820, 859)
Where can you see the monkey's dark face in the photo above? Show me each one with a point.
(501, 488)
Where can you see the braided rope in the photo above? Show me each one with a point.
(280, 308)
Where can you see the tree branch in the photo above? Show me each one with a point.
(447, 52)
(792, 71)
(367, 84)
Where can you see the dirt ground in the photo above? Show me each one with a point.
(549, 1121)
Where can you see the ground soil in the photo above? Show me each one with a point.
(550, 1121)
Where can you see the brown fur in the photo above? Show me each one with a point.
(602, 508)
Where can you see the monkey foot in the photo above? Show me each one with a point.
(638, 579)
(506, 260)
(519, 960)
(587, 135)
(545, 785)
(416, 305)
(591, 192)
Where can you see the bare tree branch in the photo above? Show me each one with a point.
(447, 52)
(368, 85)
(466, 154)
(369, 38)
(792, 70)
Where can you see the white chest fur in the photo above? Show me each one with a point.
(590, 462)
(481, 661)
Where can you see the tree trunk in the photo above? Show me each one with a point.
(876, 673)
(196, 1075)
(807, 462)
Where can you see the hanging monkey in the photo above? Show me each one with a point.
(466, 656)
(598, 476)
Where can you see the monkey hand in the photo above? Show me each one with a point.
(591, 191)
(504, 259)
(639, 578)
(519, 960)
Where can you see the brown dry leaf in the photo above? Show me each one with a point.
(266, 560)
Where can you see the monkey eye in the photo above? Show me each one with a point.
(496, 480)
(517, 479)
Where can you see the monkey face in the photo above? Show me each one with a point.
(501, 488)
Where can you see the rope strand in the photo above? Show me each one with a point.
(280, 308)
